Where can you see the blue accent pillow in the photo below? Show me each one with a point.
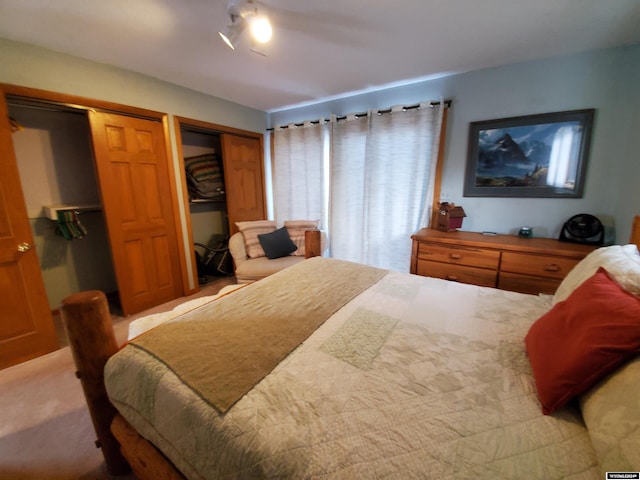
(277, 244)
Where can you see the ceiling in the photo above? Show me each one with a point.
(320, 49)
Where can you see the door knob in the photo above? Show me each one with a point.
(23, 247)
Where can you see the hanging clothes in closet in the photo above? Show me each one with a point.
(69, 225)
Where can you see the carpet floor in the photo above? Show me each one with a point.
(45, 428)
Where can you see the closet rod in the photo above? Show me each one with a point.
(52, 105)
(447, 104)
(44, 105)
(201, 130)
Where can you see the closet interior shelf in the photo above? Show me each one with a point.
(51, 211)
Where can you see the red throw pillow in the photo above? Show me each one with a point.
(583, 338)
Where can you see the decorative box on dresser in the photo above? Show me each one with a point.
(508, 262)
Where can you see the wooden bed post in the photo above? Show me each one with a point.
(635, 231)
(86, 319)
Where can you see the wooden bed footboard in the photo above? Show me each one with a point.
(147, 462)
(87, 322)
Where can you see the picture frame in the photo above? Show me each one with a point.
(541, 155)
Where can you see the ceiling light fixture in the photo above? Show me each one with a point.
(261, 30)
(245, 13)
(231, 35)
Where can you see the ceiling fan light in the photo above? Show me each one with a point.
(261, 29)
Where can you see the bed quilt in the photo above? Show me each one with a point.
(414, 378)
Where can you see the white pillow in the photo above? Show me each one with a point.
(296, 229)
(621, 261)
(611, 412)
(250, 231)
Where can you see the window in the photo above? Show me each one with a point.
(376, 182)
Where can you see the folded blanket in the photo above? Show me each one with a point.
(222, 349)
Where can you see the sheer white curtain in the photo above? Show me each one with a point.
(347, 187)
(299, 173)
(382, 175)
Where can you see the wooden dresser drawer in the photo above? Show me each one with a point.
(457, 273)
(528, 265)
(539, 265)
(459, 255)
(527, 284)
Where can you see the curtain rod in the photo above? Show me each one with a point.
(447, 104)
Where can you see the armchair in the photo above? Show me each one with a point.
(248, 270)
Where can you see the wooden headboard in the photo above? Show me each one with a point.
(635, 231)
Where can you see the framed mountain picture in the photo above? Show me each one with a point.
(543, 155)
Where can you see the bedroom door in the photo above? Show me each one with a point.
(135, 184)
(243, 178)
(26, 326)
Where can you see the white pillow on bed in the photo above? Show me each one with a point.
(621, 261)
(611, 412)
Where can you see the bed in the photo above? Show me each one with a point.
(335, 370)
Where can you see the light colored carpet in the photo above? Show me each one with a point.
(45, 427)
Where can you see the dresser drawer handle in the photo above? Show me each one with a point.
(452, 278)
(552, 268)
(455, 256)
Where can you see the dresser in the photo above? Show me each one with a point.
(527, 265)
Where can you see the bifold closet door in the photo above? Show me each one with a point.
(26, 326)
(134, 180)
(243, 178)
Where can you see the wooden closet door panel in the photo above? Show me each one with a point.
(26, 326)
(244, 179)
(134, 179)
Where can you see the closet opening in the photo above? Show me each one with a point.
(201, 152)
(55, 160)
(109, 166)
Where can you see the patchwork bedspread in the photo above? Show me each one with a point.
(413, 378)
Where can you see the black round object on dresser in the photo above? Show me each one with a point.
(583, 228)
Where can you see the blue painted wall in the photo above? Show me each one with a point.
(607, 80)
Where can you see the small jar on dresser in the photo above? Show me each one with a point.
(508, 262)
